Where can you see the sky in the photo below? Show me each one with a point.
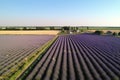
(59, 12)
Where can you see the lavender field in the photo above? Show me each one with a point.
(79, 57)
(15, 48)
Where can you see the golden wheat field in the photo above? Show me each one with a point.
(45, 32)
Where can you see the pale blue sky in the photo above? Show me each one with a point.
(60, 12)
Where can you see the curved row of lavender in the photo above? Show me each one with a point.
(15, 48)
(80, 57)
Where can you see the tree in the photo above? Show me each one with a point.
(87, 28)
(98, 32)
(65, 28)
(40, 28)
(119, 34)
(51, 28)
(109, 32)
(114, 34)
(24, 28)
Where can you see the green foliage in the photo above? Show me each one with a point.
(40, 28)
(65, 28)
(52, 28)
(81, 30)
(24, 28)
(87, 28)
(109, 32)
(104, 28)
(99, 32)
(119, 34)
(114, 34)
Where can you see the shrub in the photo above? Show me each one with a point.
(119, 34)
(109, 32)
(98, 32)
(114, 34)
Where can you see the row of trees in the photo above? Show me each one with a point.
(115, 34)
(64, 28)
(108, 32)
(67, 29)
(30, 28)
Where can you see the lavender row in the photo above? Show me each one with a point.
(15, 48)
(79, 57)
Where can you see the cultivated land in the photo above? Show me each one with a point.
(18, 50)
(78, 57)
(35, 32)
(42, 56)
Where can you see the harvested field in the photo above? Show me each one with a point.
(37, 32)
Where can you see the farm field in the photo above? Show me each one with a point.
(16, 48)
(33, 32)
(78, 57)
